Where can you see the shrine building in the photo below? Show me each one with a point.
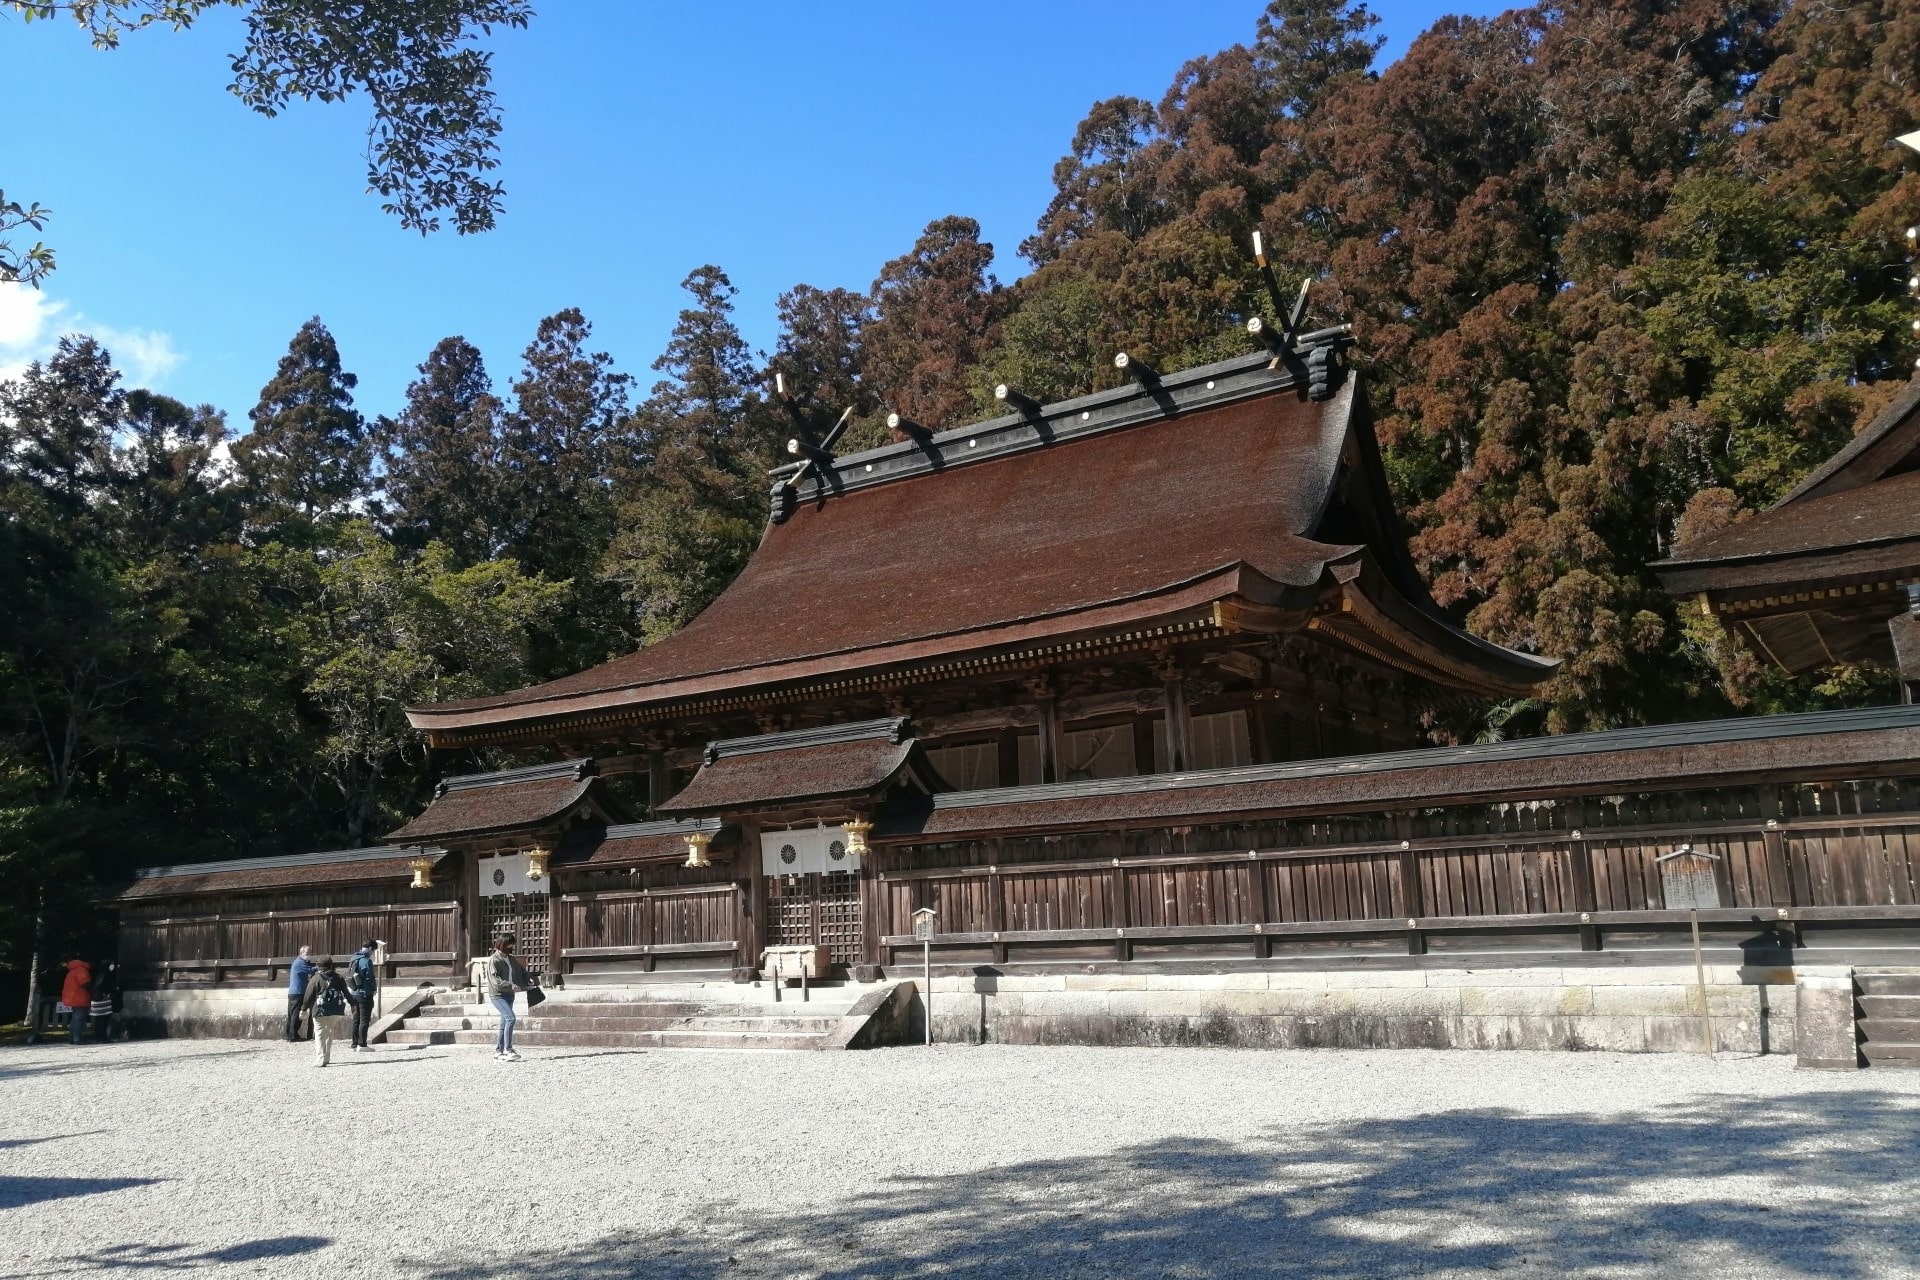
(1119, 713)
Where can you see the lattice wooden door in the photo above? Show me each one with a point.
(525, 916)
(821, 910)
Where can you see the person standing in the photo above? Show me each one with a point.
(77, 994)
(106, 1000)
(363, 986)
(326, 1006)
(504, 977)
(298, 976)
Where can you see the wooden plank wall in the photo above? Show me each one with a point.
(1571, 865)
(645, 919)
(249, 939)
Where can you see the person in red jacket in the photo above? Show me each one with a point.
(77, 994)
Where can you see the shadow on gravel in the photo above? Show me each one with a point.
(180, 1257)
(16, 1193)
(51, 1060)
(7, 1144)
(1809, 1185)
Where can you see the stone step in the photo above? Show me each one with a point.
(1894, 1055)
(1891, 1031)
(687, 1039)
(1887, 984)
(596, 1014)
(1886, 1006)
(800, 1024)
(661, 1009)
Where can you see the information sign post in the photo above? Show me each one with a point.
(923, 929)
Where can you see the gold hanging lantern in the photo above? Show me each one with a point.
(697, 842)
(422, 868)
(537, 863)
(857, 831)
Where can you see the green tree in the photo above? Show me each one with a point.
(378, 633)
(689, 523)
(433, 138)
(570, 429)
(308, 456)
(441, 467)
(822, 355)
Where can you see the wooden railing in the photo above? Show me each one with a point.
(255, 948)
(1408, 895)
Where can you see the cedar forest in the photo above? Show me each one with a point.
(1620, 271)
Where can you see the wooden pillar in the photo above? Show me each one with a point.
(1412, 900)
(1179, 721)
(1774, 845)
(753, 918)
(1041, 687)
(872, 906)
(1260, 730)
(467, 940)
(1009, 751)
(658, 780)
(1143, 744)
(1586, 894)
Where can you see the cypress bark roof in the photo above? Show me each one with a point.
(1872, 742)
(1814, 579)
(1858, 504)
(510, 800)
(630, 844)
(831, 763)
(292, 871)
(1103, 512)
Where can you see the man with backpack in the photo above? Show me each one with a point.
(325, 1005)
(363, 985)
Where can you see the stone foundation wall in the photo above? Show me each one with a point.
(234, 1013)
(225, 1013)
(1632, 1009)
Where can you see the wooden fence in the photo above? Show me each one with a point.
(1578, 873)
(648, 919)
(250, 942)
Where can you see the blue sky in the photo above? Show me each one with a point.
(785, 142)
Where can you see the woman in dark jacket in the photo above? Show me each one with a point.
(105, 1009)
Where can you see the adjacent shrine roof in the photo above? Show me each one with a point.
(510, 800)
(1813, 579)
(1866, 743)
(833, 762)
(1111, 511)
(292, 871)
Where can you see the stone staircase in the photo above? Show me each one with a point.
(1889, 1016)
(692, 1016)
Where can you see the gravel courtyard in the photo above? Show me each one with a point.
(232, 1158)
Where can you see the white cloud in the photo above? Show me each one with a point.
(144, 356)
(31, 322)
(26, 327)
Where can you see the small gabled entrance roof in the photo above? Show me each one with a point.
(862, 761)
(532, 799)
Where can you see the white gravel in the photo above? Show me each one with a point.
(215, 1156)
